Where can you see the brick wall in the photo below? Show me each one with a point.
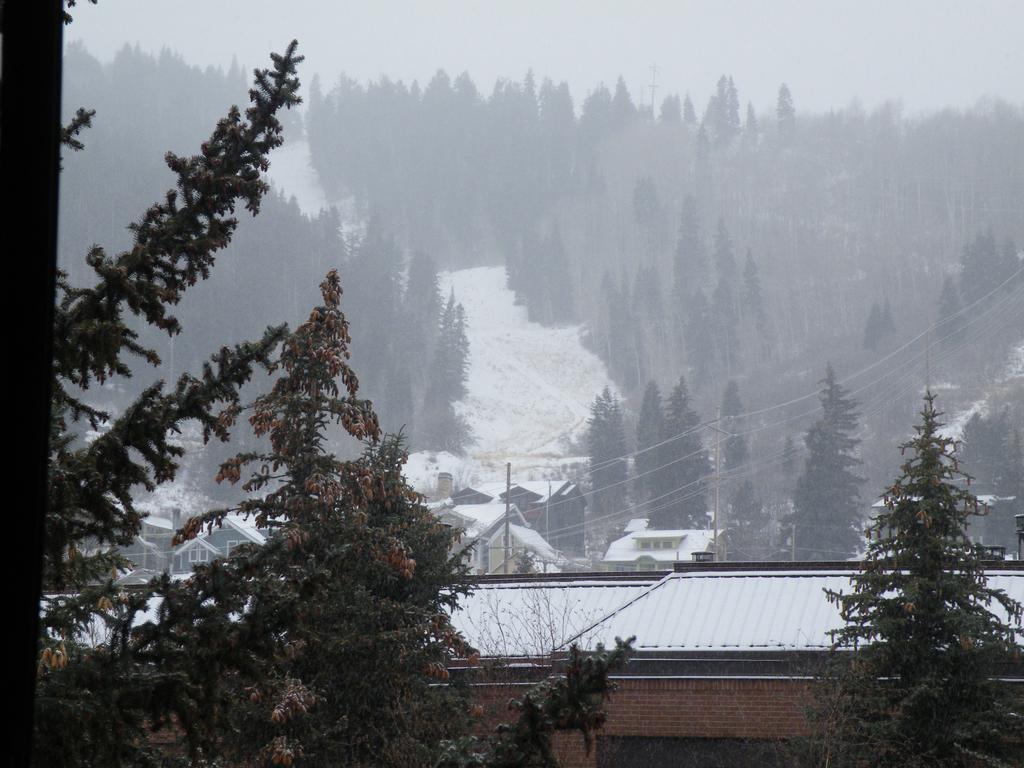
(728, 708)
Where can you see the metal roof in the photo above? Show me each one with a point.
(533, 618)
(742, 610)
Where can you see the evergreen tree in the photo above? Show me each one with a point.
(606, 448)
(785, 114)
(623, 111)
(671, 111)
(950, 324)
(647, 213)
(873, 327)
(681, 498)
(827, 515)
(324, 642)
(93, 698)
(689, 113)
(982, 268)
(734, 454)
(751, 130)
(753, 303)
(788, 457)
(990, 451)
(699, 339)
(650, 430)
(573, 702)
(443, 428)
(689, 263)
(725, 306)
(747, 526)
(925, 634)
(723, 112)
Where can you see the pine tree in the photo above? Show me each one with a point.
(753, 302)
(725, 306)
(650, 430)
(925, 635)
(570, 703)
(681, 498)
(671, 111)
(689, 265)
(623, 111)
(950, 323)
(443, 428)
(747, 534)
(788, 457)
(873, 327)
(751, 130)
(689, 113)
(827, 514)
(92, 698)
(735, 453)
(324, 642)
(700, 349)
(785, 114)
(606, 448)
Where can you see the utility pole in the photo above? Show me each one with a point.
(655, 69)
(547, 514)
(508, 505)
(792, 544)
(718, 478)
(928, 359)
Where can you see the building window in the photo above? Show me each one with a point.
(197, 555)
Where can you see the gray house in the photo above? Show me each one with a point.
(152, 550)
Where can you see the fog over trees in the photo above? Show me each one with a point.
(742, 247)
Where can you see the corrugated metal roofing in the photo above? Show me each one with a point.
(535, 617)
(739, 611)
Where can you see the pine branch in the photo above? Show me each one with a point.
(175, 241)
(570, 702)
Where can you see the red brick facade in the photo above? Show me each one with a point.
(688, 708)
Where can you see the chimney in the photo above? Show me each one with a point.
(444, 485)
(175, 519)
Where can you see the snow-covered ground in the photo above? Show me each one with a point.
(954, 426)
(292, 173)
(530, 389)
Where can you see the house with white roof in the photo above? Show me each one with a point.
(645, 549)
(483, 534)
(152, 550)
(554, 508)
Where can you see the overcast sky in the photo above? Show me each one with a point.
(927, 53)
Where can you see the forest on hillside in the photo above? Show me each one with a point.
(742, 247)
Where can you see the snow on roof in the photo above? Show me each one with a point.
(539, 487)
(690, 541)
(751, 610)
(636, 524)
(531, 539)
(532, 618)
(247, 527)
(477, 518)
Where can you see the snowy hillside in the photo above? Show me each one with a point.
(530, 388)
(1014, 370)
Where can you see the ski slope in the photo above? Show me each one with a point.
(530, 389)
